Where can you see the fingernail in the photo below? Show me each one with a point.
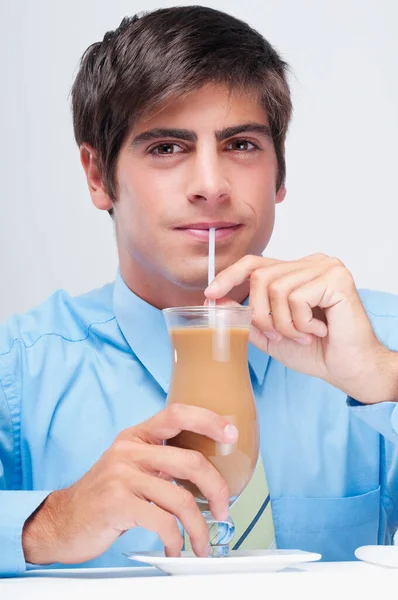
(206, 550)
(276, 337)
(231, 433)
(225, 515)
(212, 287)
(271, 336)
(303, 341)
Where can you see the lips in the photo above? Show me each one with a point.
(215, 224)
(200, 231)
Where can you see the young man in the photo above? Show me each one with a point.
(181, 117)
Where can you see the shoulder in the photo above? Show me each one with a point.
(382, 310)
(61, 315)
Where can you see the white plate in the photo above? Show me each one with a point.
(384, 556)
(240, 561)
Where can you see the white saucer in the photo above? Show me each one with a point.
(240, 561)
(384, 556)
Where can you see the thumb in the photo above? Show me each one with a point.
(256, 337)
(223, 302)
(228, 302)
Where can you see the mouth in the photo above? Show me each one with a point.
(200, 231)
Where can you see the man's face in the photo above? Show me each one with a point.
(203, 160)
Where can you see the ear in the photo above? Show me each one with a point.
(280, 195)
(99, 196)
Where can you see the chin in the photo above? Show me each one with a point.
(191, 283)
(190, 268)
(194, 277)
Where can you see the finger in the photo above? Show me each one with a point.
(278, 280)
(326, 292)
(164, 476)
(303, 316)
(240, 271)
(317, 257)
(188, 465)
(259, 300)
(256, 336)
(236, 274)
(175, 418)
(177, 501)
(155, 519)
(223, 302)
(260, 339)
(293, 325)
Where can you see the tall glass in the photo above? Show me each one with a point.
(210, 370)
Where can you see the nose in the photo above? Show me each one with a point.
(207, 182)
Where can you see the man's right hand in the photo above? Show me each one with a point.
(132, 486)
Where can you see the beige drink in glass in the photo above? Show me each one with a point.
(210, 370)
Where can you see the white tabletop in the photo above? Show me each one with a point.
(312, 580)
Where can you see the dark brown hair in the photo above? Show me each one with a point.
(154, 56)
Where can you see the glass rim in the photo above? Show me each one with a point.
(194, 310)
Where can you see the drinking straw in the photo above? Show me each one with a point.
(211, 260)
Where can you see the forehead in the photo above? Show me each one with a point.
(212, 107)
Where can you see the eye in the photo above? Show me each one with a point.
(165, 149)
(242, 146)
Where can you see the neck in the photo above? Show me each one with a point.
(162, 293)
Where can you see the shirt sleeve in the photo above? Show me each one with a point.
(15, 508)
(15, 505)
(382, 310)
(383, 417)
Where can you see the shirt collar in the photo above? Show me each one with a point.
(144, 328)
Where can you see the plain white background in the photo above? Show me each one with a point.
(341, 151)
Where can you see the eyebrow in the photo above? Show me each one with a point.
(190, 136)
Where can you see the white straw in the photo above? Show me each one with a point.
(211, 266)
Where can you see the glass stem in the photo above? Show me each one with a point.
(221, 534)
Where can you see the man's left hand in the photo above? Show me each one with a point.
(308, 315)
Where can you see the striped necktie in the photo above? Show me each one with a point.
(252, 515)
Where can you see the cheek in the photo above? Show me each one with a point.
(262, 205)
(257, 178)
(149, 190)
(264, 229)
(261, 197)
(265, 222)
(136, 197)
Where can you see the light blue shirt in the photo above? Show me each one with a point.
(74, 372)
